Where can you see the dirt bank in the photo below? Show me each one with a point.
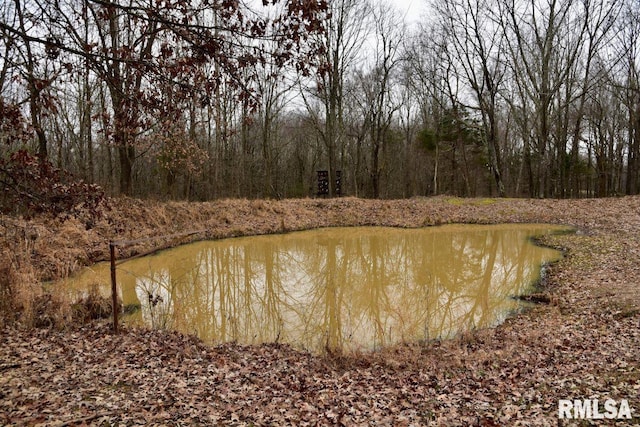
(583, 344)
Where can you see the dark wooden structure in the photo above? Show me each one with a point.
(323, 183)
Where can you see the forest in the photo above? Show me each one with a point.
(205, 99)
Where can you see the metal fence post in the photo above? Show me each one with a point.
(114, 288)
(112, 254)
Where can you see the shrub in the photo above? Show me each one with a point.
(31, 186)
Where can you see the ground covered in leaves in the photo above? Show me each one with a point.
(583, 343)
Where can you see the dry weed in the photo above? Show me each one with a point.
(62, 249)
(91, 306)
(23, 298)
(48, 310)
(40, 308)
(8, 289)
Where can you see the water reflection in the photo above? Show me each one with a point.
(350, 288)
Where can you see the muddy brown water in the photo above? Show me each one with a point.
(357, 288)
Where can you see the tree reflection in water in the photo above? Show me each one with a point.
(342, 288)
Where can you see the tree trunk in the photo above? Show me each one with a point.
(126, 154)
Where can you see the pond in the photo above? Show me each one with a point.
(354, 289)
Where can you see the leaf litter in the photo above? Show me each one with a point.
(583, 343)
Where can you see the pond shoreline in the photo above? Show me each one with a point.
(377, 286)
(583, 343)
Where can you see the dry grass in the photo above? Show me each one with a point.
(8, 289)
(24, 299)
(91, 306)
(44, 249)
(583, 343)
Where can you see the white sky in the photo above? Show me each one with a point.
(412, 8)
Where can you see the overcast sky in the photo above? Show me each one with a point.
(412, 8)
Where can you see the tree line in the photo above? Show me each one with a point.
(212, 98)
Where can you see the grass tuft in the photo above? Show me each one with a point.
(92, 306)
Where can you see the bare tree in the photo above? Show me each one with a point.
(346, 32)
(36, 67)
(628, 85)
(133, 45)
(379, 91)
(435, 79)
(600, 18)
(544, 39)
(478, 48)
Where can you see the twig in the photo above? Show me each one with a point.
(6, 366)
(84, 419)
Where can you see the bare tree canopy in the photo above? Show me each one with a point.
(214, 98)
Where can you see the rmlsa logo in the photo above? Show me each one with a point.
(593, 410)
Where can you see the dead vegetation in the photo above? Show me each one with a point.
(581, 342)
(92, 306)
